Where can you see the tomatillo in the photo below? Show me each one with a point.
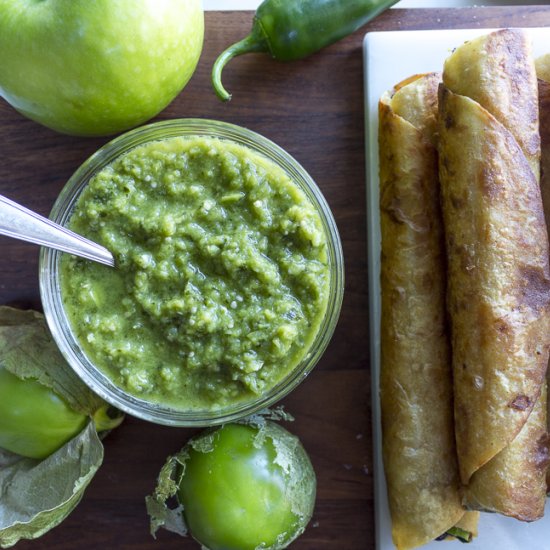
(35, 422)
(244, 487)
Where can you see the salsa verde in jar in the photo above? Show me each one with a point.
(222, 278)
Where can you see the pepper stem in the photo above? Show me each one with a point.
(254, 42)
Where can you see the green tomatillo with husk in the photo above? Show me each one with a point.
(35, 421)
(242, 486)
(51, 427)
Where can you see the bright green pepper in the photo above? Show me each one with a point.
(35, 421)
(294, 29)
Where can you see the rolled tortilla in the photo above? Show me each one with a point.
(543, 72)
(498, 273)
(415, 383)
(498, 72)
(514, 481)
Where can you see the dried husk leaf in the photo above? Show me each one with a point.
(38, 495)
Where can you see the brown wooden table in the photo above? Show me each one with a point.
(314, 110)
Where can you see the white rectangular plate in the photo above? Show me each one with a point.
(390, 57)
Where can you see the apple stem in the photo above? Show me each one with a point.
(251, 43)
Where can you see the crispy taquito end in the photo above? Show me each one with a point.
(525, 463)
(415, 100)
(543, 72)
(497, 71)
(498, 294)
(415, 379)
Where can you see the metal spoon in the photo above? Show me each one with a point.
(20, 223)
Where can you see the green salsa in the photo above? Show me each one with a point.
(222, 277)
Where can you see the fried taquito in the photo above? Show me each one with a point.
(498, 273)
(416, 386)
(543, 72)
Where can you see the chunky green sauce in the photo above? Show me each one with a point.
(222, 279)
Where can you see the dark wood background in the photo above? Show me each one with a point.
(314, 110)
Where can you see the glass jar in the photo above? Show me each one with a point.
(51, 291)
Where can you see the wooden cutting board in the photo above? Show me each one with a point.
(314, 110)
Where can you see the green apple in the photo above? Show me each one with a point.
(97, 67)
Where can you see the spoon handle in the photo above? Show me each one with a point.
(20, 223)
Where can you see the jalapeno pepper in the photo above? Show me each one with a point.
(293, 29)
(35, 421)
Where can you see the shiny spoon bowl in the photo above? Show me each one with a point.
(21, 223)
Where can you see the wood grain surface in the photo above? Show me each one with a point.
(314, 110)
